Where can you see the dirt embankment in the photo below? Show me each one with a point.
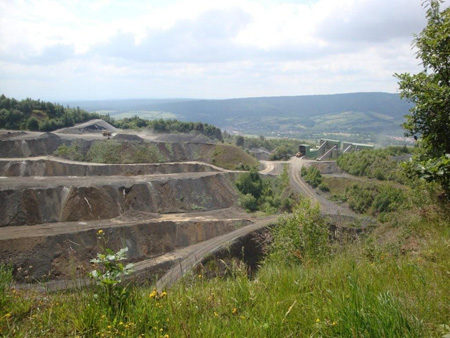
(47, 167)
(79, 203)
(65, 255)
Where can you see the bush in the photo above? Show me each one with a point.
(250, 183)
(360, 198)
(248, 202)
(71, 152)
(312, 176)
(302, 235)
(388, 199)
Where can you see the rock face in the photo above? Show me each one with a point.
(68, 254)
(44, 167)
(51, 209)
(83, 203)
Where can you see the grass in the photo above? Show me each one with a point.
(231, 157)
(392, 283)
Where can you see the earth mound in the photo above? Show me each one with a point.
(92, 126)
(128, 137)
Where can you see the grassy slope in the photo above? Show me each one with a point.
(392, 283)
(229, 156)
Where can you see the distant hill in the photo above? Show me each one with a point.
(352, 113)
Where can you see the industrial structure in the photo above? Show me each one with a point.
(330, 149)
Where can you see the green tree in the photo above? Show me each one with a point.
(240, 141)
(429, 91)
(33, 124)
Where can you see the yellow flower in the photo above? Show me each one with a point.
(161, 330)
(100, 232)
(153, 294)
(163, 294)
(317, 320)
(234, 311)
(200, 276)
(334, 323)
(166, 336)
(216, 314)
(8, 315)
(109, 326)
(121, 323)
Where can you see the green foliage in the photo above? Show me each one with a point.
(239, 141)
(359, 197)
(33, 124)
(312, 176)
(39, 115)
(170, 126)
(300, 236)
(374, 163)
(282, 152)
(71, 152)
(108, 274)
(250, 183)
(375, 199)
(248, 202)
(269, 194)
(389, 199)
(429, 91)
(111, 151)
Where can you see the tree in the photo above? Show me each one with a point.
(33, 124)
(429, 90)
(240, 141)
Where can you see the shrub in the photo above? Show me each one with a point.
(312, 176)
(302, 235)
(71, 152)
(248, 202)
(360, 198)
(108, 276)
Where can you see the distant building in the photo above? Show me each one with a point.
(330, 149)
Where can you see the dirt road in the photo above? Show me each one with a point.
(299, 185)
(196, 253)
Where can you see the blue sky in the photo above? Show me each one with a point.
(106, 49)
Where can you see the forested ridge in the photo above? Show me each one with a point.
(37, 115)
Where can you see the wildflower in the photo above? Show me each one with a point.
(166, 336)
(163, 294)
(153, 294)
(317, 320)
(100, 232)
(200, 276)
(8, 315)
(109, 326)
(216, 314)
(121, 323)
(334, 323)
(234, 311)
(161, 330)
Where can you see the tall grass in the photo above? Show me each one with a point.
(394, 283)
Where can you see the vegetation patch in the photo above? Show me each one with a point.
(266, 194)
(231, 157)
(111, 151)
(375, 163)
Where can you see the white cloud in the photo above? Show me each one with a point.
(204, 48)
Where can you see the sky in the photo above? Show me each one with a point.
(111, 49)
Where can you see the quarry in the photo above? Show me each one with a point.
(163, 196)
(53, 207)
